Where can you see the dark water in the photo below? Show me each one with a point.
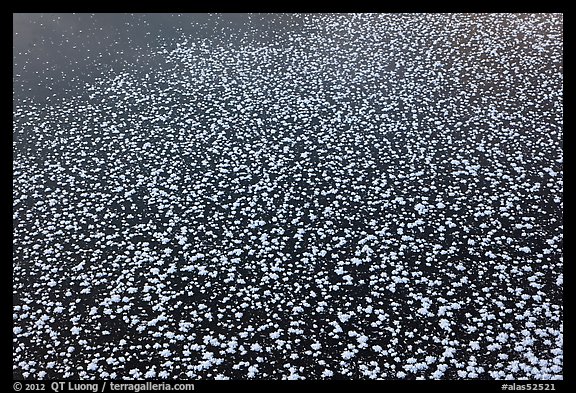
(54, 53)
(343, 196)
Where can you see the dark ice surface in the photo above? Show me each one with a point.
(288, 196)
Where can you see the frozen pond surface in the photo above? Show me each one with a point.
(288, 196)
